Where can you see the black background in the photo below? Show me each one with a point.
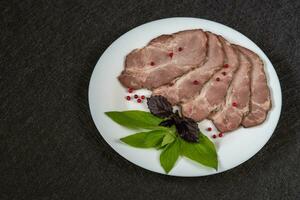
(49, 146)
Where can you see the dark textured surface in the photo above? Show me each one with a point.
(49, 147)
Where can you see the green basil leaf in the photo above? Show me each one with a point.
(145, 139)
(169, 155)
(167, 139)
(203, 152)
(136, 119)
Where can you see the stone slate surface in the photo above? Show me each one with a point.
(49, 146)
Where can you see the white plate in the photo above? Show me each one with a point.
(107, 94)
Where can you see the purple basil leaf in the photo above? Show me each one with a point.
(167, 123)
(187, 129)
(160, 106)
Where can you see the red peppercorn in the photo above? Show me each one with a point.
(152, 63)
(128, 98)
(136, 96)
(171, 54)
(218, 79)
(224, 73)
(180, 49)
(139, 101)
(195, 82)
(234, 104)
(142, 97)
(130, 90)
(214, 136)
(209, 128)
(221, 134)
(225, 65)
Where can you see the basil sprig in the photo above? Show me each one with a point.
(164, 138)
(186, 127)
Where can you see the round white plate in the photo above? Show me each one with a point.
(107, 94)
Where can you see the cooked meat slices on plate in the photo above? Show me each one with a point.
(190, 84)
(260, 100)
(163, 59)
(236, 104)
(203, 74)
(214, 91)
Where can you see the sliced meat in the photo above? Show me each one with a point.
(236, 104)
(260, 100)
(190, 84)
(214, 91)
(163, 59)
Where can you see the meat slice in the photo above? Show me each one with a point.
(236, 104)
(163, 59)
(260, 100)
(214, 91)
(190, 84)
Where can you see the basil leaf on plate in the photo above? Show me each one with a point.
(187, 128)
(135, 119)
(169, 155)
(168, 138)
(145, 139)
(203, 152)
(167, 123)
(160, 106)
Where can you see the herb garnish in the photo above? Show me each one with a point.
(186, 127)
(160, 106)
(175, 135)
